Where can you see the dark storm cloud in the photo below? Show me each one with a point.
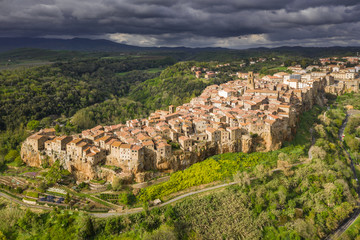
(232, 23)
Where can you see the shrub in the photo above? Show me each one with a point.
(117, 184)
(32, 194)
(33, 125)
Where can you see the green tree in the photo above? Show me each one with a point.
(33, 125)
(86, 228)
(57, 128)
(164, 232)
(127, 198)
(242, 178)
(117, 184)
(18, 161)
(54, 173)
(12, 155)
(67, 198)
(2, 236)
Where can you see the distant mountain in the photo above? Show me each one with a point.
(75, 44)
(81, 44)
(44, 48)
(306, 51)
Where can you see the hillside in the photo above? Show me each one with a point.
(75, 44)
(306, 201)
(102, 46)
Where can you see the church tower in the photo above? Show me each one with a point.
(251, 82)
(172, 109)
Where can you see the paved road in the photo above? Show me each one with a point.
(109, 214)
(131, 211)
(345, 225)
(4, 195)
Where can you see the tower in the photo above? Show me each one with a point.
(172, 109)
(251, 82)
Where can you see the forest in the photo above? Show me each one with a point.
(49, 95)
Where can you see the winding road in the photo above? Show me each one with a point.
(347, 223)
(4, 195)
(137, 210)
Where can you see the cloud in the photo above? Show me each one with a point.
(227, 23)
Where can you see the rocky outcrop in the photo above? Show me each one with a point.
(30, 157)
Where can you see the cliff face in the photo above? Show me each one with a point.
(30, 157)
(82, 171)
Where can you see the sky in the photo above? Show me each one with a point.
(234, 24)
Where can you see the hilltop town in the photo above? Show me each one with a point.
(248, 114)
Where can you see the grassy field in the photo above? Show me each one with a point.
(154, 70)
(150, 70)
(279, 69)
(22, 64)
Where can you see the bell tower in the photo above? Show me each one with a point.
(251, 82)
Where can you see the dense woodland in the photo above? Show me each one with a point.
(31, 98)
(64, 88)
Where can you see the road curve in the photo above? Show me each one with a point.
(346, 224)
(4, 195)
(137, 210)
(110, 214)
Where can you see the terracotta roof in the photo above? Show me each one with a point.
(37, 137)
(148, 143)
(211, 130)
(184, 138)
(116, 144)
(135, 147)
(82, 144)
(111, 141)
(125, 146)
(76, 140)
(162, 144)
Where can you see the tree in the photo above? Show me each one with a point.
(262, 172)
(2, 236)
(27, 220)
(242, 178)
(318, 152)
(42, 187)
(84, 119)
(33, 125)
(164, 232)
(283, 157)
(86, 228)
(12, 155)
(54, 173)
(117, 184)
(127, 198)
(67, 198)
(285, 166)
(18, 161)
(352, 142)
(57, 128)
